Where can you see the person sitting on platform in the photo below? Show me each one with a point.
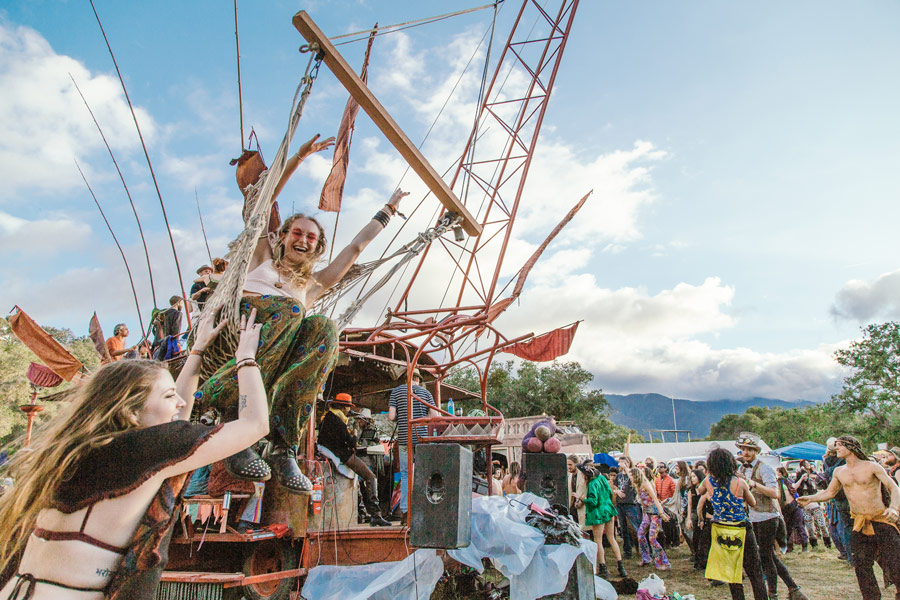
(200, 291)
(116, 344)
(297, 352)
(335, 435)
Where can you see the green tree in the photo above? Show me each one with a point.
(558, 389)
(873, 386)
(14, 387)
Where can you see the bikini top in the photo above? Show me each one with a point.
(79, 536)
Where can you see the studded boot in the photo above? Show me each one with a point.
(287, 471)
(248, 465)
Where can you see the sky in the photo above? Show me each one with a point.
(743, 161)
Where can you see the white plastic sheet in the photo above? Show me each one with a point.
(604, 589)
(412, 578)
(518, 551)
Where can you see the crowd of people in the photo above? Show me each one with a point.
(739, 515)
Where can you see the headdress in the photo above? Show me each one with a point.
(852, 444)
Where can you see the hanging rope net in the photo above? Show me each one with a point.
(258, 206)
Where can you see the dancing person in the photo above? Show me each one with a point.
(813, 515)
(764, 514)
(840, 523)
(875, 529)
(98, 493)
(600, 516)
(629, 511)
(697, 537)
(297, 351)
(727, 493)
(654, 515)
(793, 514)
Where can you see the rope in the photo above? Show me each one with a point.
(237, 44)
(408, 24)
(260, 196)
(359, 272)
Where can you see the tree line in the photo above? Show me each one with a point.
(868, 405)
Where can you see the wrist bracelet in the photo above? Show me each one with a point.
(196, 352)
(382, 217)
(392, 209)
(247, 362)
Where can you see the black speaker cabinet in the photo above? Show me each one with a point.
(580, 585)
(441, 496)
(545, 476)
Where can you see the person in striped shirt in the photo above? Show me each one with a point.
(397, 412)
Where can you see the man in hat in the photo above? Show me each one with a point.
(838, 511)
(335, 435)
(764, 516)
(875, 529)
(200, 291)
(892, 463)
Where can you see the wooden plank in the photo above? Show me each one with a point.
(383, 120)
(193, 577)
(278, 575)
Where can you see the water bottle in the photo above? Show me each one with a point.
(450, 407)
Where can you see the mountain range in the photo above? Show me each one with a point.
(654, 411)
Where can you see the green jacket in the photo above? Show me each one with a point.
(599, 502)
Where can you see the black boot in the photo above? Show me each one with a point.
(247, 465)
(379, 521)
(814, 542)
(602, 571)
(827, 541)
(288, 473)
(621, 567)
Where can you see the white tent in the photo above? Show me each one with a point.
(671, 450)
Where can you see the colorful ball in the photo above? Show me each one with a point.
(552, 445)
(543, 433)
(534, 445)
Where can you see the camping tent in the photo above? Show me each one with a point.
(805, 450)
(670, 450)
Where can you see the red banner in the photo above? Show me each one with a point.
(96, 333)
(546, 347)
(44, 345)
(333, 190)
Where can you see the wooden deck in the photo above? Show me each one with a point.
(359, 544)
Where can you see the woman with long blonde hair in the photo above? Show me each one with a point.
(96, 495)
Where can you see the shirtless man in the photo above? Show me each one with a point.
(874, 525)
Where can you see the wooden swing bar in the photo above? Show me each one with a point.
(383, 120)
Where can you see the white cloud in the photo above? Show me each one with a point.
(22, 239)
(44, 122)
(863, 300)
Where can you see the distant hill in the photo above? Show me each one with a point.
(654, 411)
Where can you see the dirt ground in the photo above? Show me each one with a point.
(819, 573)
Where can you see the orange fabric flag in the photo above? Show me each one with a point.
(545, 347)
(42, 343)
(333, 190)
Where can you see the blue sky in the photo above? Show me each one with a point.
(743, 156)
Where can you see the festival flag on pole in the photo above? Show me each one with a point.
(44, 345)
(546, 347)
(333, 190)
(96, 333)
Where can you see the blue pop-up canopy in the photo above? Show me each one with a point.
(602, 458)
(804, 450)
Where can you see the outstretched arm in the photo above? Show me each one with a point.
(263, 251)
(827, 494)
(330, 275)
(253, 411)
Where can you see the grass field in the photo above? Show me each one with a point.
(821, 575)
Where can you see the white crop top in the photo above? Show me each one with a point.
(262, 279)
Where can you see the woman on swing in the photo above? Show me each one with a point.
(297, 352)
(97, 494)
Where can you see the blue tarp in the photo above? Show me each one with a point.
(805, 450)
(602, 458)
